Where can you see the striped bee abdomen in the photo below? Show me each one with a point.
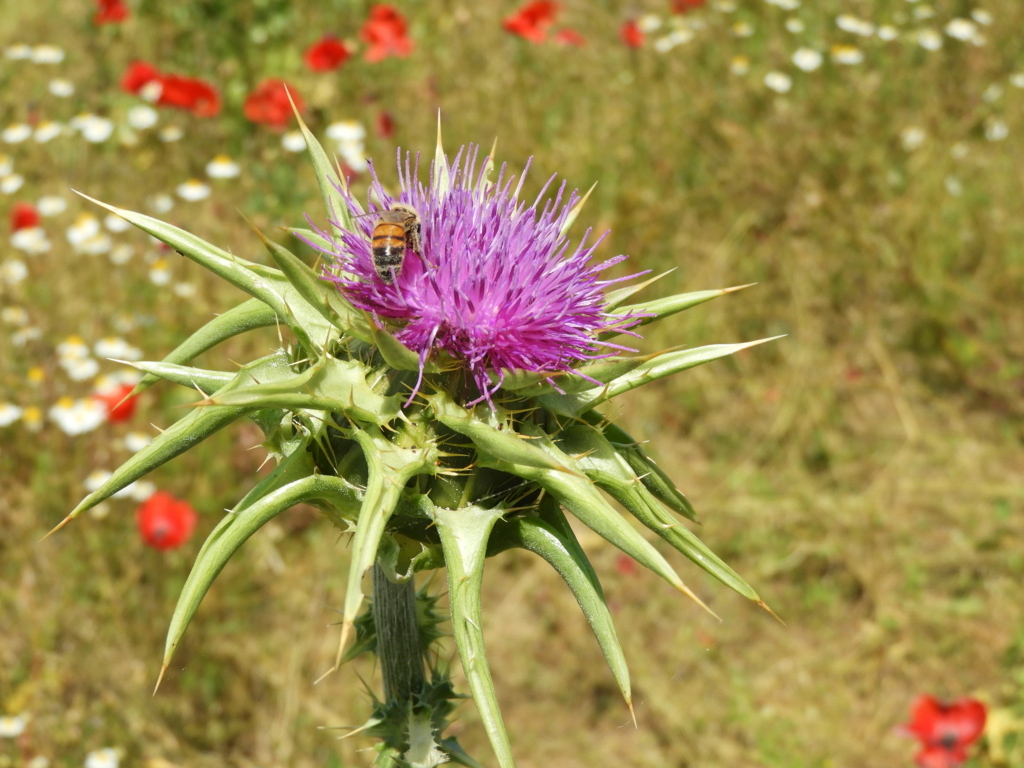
(388, 243)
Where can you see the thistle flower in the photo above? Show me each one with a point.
(496, 283)
(501, 329)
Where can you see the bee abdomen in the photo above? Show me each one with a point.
(388, 244)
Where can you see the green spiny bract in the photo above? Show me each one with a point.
(426, 481)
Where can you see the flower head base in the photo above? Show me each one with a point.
(496, 284)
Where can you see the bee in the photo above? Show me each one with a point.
(397, 229)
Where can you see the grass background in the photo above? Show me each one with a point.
(864, 473)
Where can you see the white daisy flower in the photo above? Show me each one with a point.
(95, 245)
(912, 137)
(142, 490)
(25, 335)
(6, 166)
(953, 186)
(1017, 79)
(127, 376)
(982, 16)
(649, 22)
(184, 290)
(13, 271)
(293, 141)
(354, 156)
(136, 441)
(346, 130)
(86, 225)
(742, 29)
(118, 349)
(161, 203)
(795, 25)
(97, 129)
(15, 133)
(192, 190)
(993, 93)
(664, 44)
(103, 758)
(30, 240)
(223, 167)
(961, 29)
(32, 419)
(73, 348)
(121, 254)
(12, 726)
(47, 54)
(786, 5)
(76, 417)
(807, 59)
(47, 131)
(61, 87)
(779, 82)
(80, 370)
(679, 36)
(95, 480)
(152, 91)
(51, 205)
(142, 117)
(924, 12)
(14, 316)
(959, 151)
(9, 413)
(888, 33)
(160, 272)
(996, 129)
(170, 133)
(739, 65)
(18, 52)
(11, 183)
(849, 23)
(850, 55)
(115, 223)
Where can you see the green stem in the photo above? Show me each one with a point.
(398, 639)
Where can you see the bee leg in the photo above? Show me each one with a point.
(414, 239)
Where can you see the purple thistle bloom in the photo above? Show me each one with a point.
(496, 284)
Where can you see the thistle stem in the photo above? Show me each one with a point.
(398, 638)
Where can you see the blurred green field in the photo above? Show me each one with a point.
(865, 473)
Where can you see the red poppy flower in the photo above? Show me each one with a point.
(387, 34)
(24, 216)
(682, 6)
(189, 93)
(632, 35)
(532, 21)
(110, 12)
(570, 37)
(138, 74)
(118, 411)
(385, 124)
(269, 104)
(945, 730)
(164, 521)
(327, 55)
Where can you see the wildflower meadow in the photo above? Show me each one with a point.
(517, 383)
